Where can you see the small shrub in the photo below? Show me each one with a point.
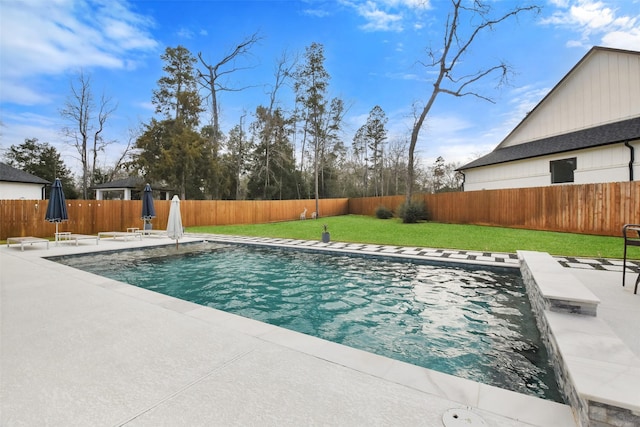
(383, 213)
(413, 212)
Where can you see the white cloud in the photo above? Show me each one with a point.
(50, 37)
(411, 4)
(377, 19)
(597, 23)
(523, 99)
(318, 13)
(591, 16)
(185, 33)
(560, 3)
(147, 105)
(461, 152)
(623, 39)
(387, 15)
(17, 127)
(405, 76)
(521, 102)
(26, 95)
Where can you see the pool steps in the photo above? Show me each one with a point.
(557, 289)
(597, 372)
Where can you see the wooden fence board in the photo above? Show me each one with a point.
(600, 209)
(591, 209)
(26, 217)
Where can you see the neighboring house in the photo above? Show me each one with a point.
(128, 189)
(16, 184)
(586, 130)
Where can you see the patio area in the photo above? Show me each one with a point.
(80, 349)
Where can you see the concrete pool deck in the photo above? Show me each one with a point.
(80, 349)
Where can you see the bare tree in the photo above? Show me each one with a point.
(87, 125)
(359, 148)
(211, 78)
(214, 79)
(397, 161)
(284, 69)
(105, 108)
(121, 162)
(456, 43)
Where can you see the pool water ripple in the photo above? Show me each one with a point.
(470, 322)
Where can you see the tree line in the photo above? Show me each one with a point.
(273, 152)
(256, 159)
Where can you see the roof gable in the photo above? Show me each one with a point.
(11, 174)
(603, 87)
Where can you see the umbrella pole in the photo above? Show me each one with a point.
(56, 236)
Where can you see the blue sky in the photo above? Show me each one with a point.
(373, 51)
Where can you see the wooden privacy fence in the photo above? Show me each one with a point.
(589, 209)
(26, 217)
(600, 209)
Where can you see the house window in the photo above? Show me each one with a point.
(562, 170)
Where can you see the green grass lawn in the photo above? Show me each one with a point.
(364, 229)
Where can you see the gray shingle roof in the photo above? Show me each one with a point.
(612, 133)
(11, 174)
(129, 182)
(133, 182)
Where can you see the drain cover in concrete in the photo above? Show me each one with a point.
(462, 417)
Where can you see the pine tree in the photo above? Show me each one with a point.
(172, 149)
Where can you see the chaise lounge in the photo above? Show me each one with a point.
(71, 237)
(125, 235)
(155, 233)
(26, 240)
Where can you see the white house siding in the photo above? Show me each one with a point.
(19, 190)
(606, 164)
(603, 88)
(602, 164)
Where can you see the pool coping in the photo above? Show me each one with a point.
(448, 256)
(505, 403)
(563, 303)
(514, 406)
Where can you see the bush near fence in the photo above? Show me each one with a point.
(600, 209)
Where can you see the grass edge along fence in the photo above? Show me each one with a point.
(598, 209)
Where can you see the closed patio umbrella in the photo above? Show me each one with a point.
(148, 210)
(174, 225)
(57, 208)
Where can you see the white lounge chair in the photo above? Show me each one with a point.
(26, 240)
(125, 235)
(67, 236)
(154, 233)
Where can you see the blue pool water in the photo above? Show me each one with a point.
(470, 322)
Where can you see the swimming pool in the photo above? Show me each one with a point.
(471, 322)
